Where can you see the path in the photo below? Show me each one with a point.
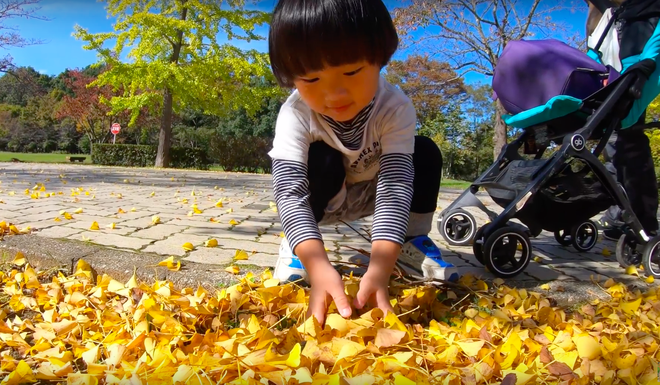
(246, 221)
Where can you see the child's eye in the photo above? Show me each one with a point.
(353, 72)
(309, 80)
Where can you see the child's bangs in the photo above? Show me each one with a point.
(307, 55)
(308, 36)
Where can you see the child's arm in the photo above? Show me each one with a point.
(393, 199)
(291, 190)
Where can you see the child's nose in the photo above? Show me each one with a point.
(336, 92)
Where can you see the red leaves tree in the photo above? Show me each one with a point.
(89, 108)
(85, 107)
(430, 84)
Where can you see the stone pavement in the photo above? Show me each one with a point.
(246, 220)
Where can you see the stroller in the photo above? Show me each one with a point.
(567, 104)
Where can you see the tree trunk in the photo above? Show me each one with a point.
(165, 137)
(499, 134)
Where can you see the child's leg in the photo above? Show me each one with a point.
(419, 250)
(326, 174)
(427, 161)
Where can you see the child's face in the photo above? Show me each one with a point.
(339, 92)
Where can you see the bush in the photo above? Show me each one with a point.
(241, 154)
(131, 155)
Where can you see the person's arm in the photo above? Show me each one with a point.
(393, 199)
(291, 190)
(394, 191)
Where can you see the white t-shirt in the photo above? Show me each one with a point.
(390, 129)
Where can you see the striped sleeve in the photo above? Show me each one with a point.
(393, 197)
(291, 190)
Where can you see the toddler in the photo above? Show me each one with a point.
(345, 148)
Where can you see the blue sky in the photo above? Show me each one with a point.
(61, 50)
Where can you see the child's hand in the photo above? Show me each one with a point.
(374, 290)
(327, 285)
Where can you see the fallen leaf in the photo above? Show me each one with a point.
(188, 246)
(170, 264)
(211, 243)
(240, 255)
(233, 269)
(94, 226)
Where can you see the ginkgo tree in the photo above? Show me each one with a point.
(170, 54)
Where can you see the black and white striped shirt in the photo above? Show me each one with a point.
(394, 190)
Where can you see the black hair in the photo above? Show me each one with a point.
(307, 35)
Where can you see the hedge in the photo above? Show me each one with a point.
(241, 154)
(131, 155)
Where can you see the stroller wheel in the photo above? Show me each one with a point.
(651, 258)
(626, 251)
(458, 227)
(563, 237)
(478, 244)
(502, 253)
(584, 236)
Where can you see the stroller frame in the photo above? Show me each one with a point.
(606, 108)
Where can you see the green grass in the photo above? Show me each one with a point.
(40, 158)
(455, 184)
(61, 158)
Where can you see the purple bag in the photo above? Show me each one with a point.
(531, 72)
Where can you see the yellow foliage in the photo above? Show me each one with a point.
(255, 332)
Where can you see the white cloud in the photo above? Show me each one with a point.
(43, 72)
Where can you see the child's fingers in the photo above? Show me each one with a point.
(362, 296)
(383, 299)
(341, 300)
(317, 305)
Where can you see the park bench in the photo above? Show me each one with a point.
(76, 158)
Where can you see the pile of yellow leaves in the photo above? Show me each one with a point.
(89, 329)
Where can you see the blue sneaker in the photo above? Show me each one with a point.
(288, 267)
(423, 255)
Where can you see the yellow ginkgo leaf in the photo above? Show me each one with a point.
(230, 210)
(94, 226)
(188, 246)
(152, 193)
(650, 279)
(233, 269)
(241, 255)
(133, 209)
(632, 270)
(606, 252)
(218, 203)
(545, 286)
(233, 222)
(78, 211)
(211, 243)
(57, 219)
(19, 259)
(112, 225)
(155, 219)
(120, 211)
(170, 264)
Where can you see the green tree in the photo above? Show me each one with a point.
(176, 59)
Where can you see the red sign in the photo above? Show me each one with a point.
(115, 128)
